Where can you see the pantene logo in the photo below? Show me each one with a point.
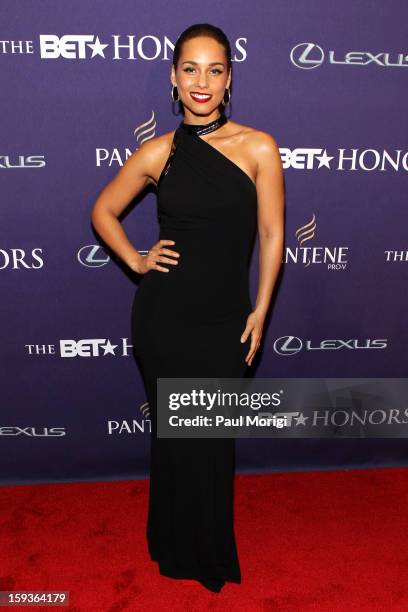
(135, 426)
(333, 258)
(114, 156)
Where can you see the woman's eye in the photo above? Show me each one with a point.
(213, 70)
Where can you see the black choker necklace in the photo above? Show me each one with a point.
(197, 128)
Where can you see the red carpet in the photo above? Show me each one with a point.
(327, 541)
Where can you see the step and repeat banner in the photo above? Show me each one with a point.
(83, 85)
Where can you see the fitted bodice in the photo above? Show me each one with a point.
(201, 187)
(208, 206)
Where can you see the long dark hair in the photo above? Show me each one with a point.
(203, 29)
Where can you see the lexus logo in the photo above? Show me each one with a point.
(93, 256)
(310, 55)
(307, 55)
(288, 345)
(291, 345)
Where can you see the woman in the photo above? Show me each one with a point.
(192, 316)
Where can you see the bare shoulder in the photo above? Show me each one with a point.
(157, 145)
(152, 155)
(260, 145)
(264, 142)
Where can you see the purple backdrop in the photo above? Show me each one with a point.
(82, 86)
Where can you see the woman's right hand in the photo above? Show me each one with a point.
(157, 254)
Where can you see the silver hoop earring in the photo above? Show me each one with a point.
(229, 97)
(172, 93)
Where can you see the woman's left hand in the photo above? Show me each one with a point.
(254, 326)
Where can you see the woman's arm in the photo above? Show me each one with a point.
(137, 172)
(269, 184)
(270, 190)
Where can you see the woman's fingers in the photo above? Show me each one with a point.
(251, 348)
(255, 342)
(254, 326)
(253, 354)
(157, 267)
(167, 260)
(157, 254)
(163, 251)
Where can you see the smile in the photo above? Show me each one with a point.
(198, 97)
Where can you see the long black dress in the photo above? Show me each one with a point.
(187, 323)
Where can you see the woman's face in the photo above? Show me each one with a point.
(202, 69)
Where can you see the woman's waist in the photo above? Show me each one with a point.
(214, 277)
(193, 241)
(170, 294)
(202, 229)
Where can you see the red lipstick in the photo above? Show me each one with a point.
(198, 97)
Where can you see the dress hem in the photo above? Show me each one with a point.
(167, 569)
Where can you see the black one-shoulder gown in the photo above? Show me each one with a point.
(187, 323)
